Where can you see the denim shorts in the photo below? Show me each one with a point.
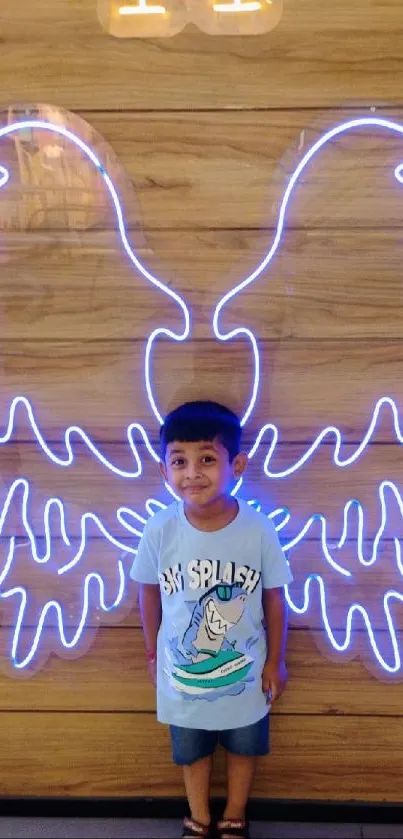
(192, 744)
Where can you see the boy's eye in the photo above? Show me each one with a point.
(179, 461)
(208, 458)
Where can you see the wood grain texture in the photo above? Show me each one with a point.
(112, 677)
(54, 177)
(81, 286)
(344, 54)
(305, 385)
(79, 754)
(207, 170)
(230, 170)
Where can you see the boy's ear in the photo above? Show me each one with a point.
(163, 470)
(239, 464)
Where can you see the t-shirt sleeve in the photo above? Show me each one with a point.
(275, 569)
(145, 566)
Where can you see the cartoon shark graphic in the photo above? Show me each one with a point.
(215, 666)
(214, 615)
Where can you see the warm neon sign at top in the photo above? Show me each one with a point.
(142, 8)
(131, 522)
(150, 19)
(239, 7)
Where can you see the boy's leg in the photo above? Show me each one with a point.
(193, 749)
(197, 783)
(240, 773)
(243, 747)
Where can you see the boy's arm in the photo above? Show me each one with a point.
(274, 671)
(151, 615)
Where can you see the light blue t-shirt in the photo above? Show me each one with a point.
(212, 643)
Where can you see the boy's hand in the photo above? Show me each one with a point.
(274, 679)
(152, 669)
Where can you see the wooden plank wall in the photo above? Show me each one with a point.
(206, 130)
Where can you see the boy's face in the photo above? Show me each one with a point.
(201, 472)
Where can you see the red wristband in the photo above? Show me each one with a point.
(151, 657)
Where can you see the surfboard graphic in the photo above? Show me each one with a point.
(221, 670)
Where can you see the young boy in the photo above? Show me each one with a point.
(211, 575)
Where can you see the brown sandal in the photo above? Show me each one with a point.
(195, 830)
(233, 829)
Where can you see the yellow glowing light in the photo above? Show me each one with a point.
(239, 6)
(142, 9)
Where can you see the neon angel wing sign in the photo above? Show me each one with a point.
(101, 595)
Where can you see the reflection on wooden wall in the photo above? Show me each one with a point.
(204, 186)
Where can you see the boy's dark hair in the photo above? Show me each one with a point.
(202, 420)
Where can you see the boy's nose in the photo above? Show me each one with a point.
(193, 471)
